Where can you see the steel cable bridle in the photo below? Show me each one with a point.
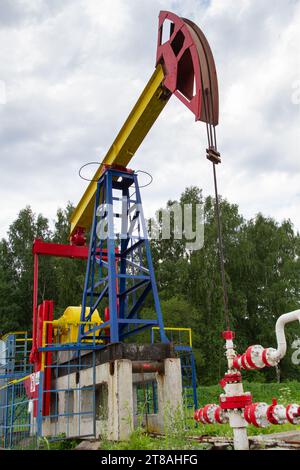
(212, 144)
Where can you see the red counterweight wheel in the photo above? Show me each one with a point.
(190, 72)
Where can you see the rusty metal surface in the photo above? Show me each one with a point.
(133, 352)
(148, 367)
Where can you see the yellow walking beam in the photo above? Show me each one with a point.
(184, 67)
(145, 112)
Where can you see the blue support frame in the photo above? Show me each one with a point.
(16, 366)
(188, 373)
(120, 271)
(188, 370)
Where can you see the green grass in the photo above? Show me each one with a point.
(139, 440)
(176, 435)
(60, 443)
(284, 392)
(287, 392)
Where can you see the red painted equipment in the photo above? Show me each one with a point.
(256, 357)
(211, 414)
(293, 413)
(78, 238)
(48, 249)
(44, 314)
(189, 67)
(235, 402)
(230, 378)
(262, 415)
(59, 250)
(236, 405)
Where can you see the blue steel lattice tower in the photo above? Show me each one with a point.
(119, 275)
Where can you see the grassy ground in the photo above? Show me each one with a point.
(139, 440)
(177, 431)
(285, 393)
(176, 435)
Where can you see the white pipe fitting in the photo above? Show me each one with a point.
(211, 414)
(279, 329)
(263, 415)
(293, 413)
(257, 357)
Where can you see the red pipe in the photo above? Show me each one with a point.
(148, 367)
(33, 353)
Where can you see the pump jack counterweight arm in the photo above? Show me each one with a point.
(184, 68)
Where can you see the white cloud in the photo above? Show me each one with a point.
(74, 69)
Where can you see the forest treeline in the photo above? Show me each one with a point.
(262, 267)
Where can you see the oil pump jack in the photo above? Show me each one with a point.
(119, 265)
(123, 271)
(119, 273)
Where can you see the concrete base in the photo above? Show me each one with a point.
(169, 397)
(102, 400)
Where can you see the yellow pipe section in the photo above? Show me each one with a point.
(66, 327)
(143, 115)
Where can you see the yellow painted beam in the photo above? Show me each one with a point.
(143, 115)
(13, 333)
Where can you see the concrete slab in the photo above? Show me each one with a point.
(118, 351)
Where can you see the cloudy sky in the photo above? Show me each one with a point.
(71, 70)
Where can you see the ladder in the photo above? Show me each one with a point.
(189, 378)
(182, 340)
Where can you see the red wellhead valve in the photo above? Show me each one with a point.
(256, 357)
(262, 415)
(211, 414)
(293, 413)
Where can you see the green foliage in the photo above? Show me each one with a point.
(177, 434)
(60, 443)
(64, 444)
(262, 268)
(289, 392)
(16, 270)
(139, 440)
(67, 293)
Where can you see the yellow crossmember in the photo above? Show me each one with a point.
(15, 381)
(143, 115)
(13, 333)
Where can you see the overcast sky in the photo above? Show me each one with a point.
(71, 70)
